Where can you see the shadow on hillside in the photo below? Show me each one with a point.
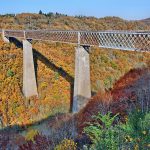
(49, 119)
(16, 42)
(59, 126)
(38, 56)
(52, 66)
(17, 128)
(11, 134)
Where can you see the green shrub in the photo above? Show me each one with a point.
(137, 129)
(102, 133)
(10, 73)
(134, 134)
(56, 75)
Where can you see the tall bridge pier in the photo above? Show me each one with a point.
(82, 84)
(29, 79)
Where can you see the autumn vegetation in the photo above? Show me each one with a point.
(64, 22)
(119, 80)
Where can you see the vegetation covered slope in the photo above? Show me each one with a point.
(129, 92)
(54, 63)
(55, 72)
(146, 21)
(64, 22)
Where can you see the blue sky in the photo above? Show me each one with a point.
(127, 9)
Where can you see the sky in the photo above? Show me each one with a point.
(126, 9)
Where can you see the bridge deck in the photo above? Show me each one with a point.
(124, 40)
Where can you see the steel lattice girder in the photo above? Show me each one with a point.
(124, 40)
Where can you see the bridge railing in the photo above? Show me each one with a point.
(124, 40)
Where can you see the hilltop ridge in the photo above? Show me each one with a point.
(61, 21)
(146, 21)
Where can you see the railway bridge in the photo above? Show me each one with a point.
(122, 40)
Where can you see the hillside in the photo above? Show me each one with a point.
(130, 91)
(146, 21)
(115, 74)
(64, 22)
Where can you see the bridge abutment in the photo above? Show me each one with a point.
(29, 78)
(82, 84)
(5, 39)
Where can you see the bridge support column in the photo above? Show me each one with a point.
(82, 85)
(29, 79)
(5, 39)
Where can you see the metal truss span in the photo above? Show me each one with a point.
(124, 40)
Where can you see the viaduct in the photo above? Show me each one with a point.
(123, 40)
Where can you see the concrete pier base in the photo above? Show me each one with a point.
(82, 84)
(5, 39)
(29, 79)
